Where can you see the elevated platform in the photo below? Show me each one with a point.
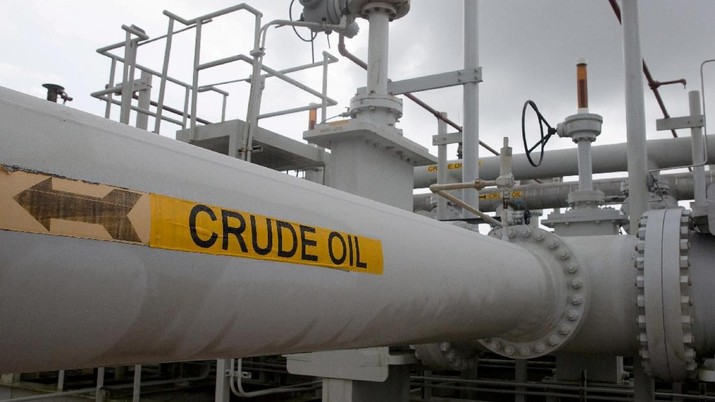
(271, 149)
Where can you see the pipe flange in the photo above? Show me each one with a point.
(570, 308)
(446, 355)
(665, 318)
(394, 8)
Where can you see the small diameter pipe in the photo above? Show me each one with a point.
(654, 85)
(441, 190)
(237, 385)
(442, 176)
(137, 385)
(698, 151)
(476, 184)
(51, 396)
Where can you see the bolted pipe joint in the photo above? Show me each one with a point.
(571, 292)
(394, 8)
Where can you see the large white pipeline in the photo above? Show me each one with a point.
(67, 302)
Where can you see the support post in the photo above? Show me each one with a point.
(137, 385)
(130, 54)
(99, 391)
(470, 140)
(698, 150)
(144, 102)
(635, 114)
(442, 167)
(223, 392)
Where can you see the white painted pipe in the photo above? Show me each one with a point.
(635, 113)
(664, 153)
(74, 302)
(554, 195)
(585, 175)
(470, 131)
(377, 57)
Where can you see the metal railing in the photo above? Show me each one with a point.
(123, 93)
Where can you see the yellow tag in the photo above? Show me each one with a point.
(46, 204)
(189, 226)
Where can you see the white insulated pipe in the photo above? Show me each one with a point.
(470, 130)
(67, 302)
(378, 51)
(635, 113)
(662, 153)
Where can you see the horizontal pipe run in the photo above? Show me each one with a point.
(171, 305)
(662, 153)
(52, 395)
(554, 195)
(467, 207)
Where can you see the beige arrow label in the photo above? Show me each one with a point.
(46, 204)
(40, 203)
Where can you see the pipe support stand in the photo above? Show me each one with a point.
(571, 290)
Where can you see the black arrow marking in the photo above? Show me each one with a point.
(45, 204)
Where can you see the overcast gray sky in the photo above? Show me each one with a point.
(527, 50)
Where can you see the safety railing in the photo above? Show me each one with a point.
(186, 117)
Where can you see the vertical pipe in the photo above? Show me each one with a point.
(137, 386)
(223, 108)
(324, 102)
(112, 72)
(61, 380)
(127, 80)
(223, 392)
(195, 79)
(185, 117)
(164, 74)
(635, 114)
(144, 103)
(99, 392)
(698, 148)
(470, 137)
(377, 56)
(442, 166)
(585, 166)
(520, 376)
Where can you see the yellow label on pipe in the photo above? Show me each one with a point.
(189, 226)
(41, 203)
